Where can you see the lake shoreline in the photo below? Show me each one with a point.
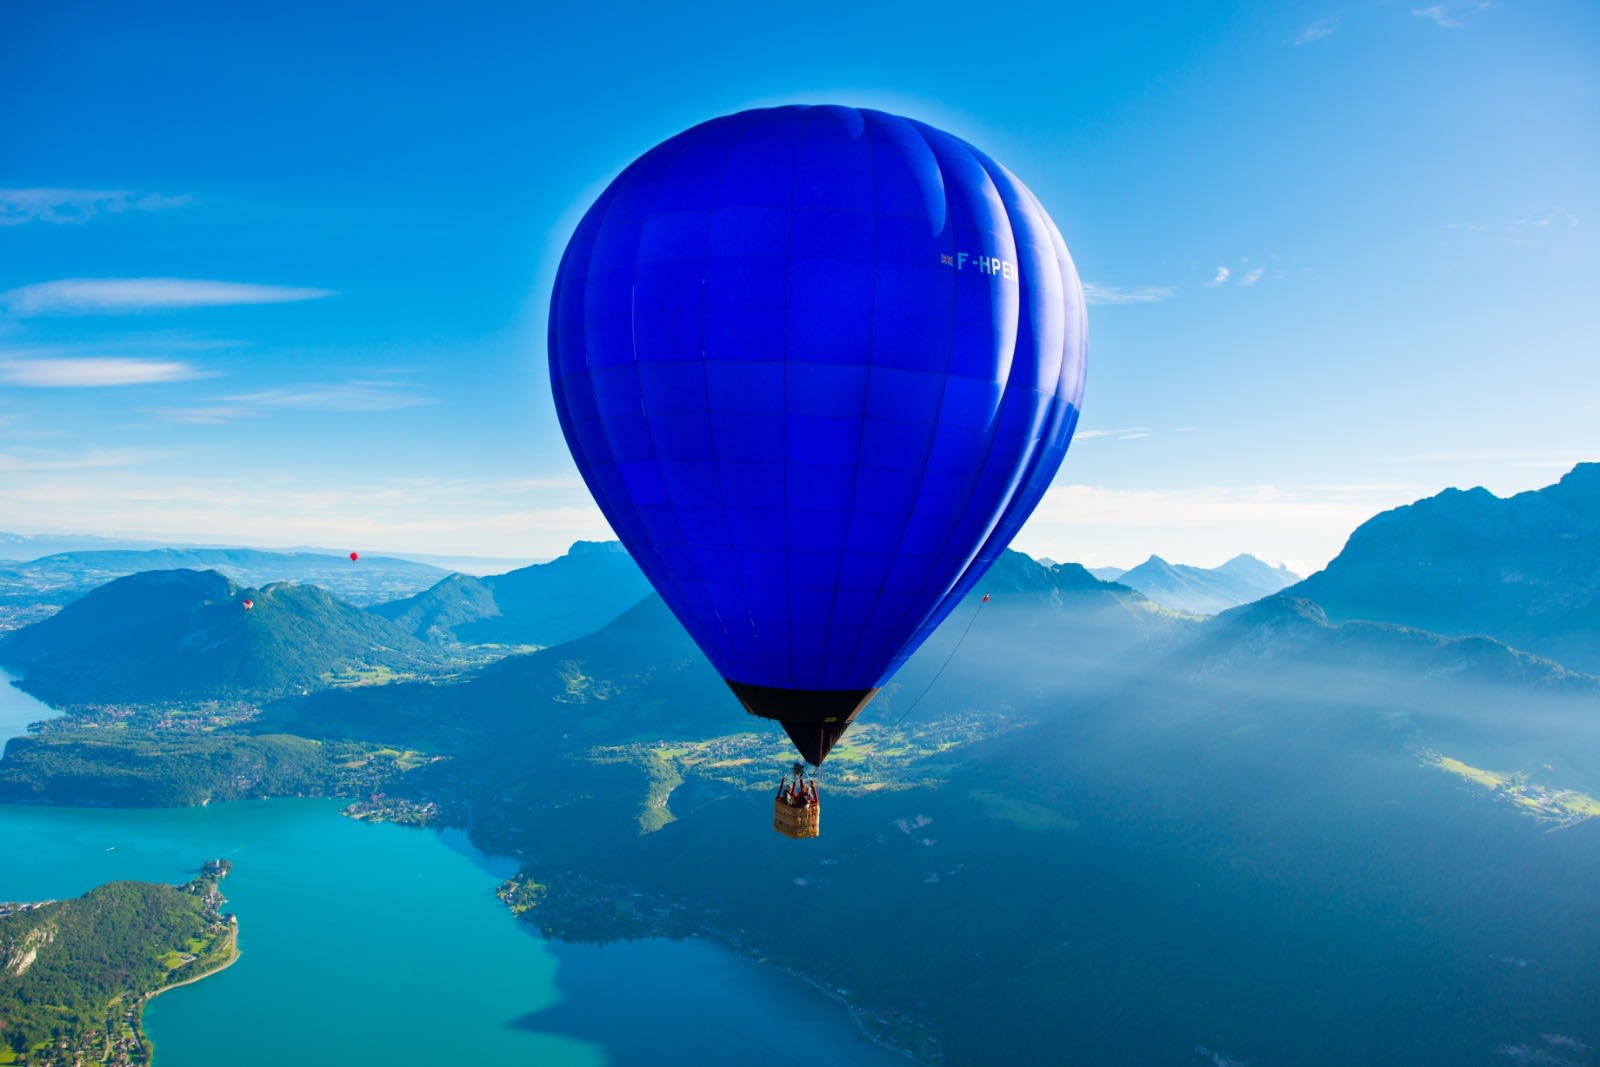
(312, 876)
(178, 936)
(563, 910)
(138, 1017)
(857, 1013)
(863, 1021)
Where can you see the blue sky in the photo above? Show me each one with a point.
(277, 274)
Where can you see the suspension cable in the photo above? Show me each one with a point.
(937, 674)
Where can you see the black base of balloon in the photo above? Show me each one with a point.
(815, 719)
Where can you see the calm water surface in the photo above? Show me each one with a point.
(382, 944)
(18, 709)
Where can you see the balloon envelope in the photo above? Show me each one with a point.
(816, 365)
(355, 556)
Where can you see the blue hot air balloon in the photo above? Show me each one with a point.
(817, 365)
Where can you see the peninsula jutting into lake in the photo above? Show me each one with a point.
(75, 975)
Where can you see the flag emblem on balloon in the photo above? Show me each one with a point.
(812, 437)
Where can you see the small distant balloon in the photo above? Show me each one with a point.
(248, 604)
(985, 598)
(354, 556)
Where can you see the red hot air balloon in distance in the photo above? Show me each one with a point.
(248, 604)
(354, 556)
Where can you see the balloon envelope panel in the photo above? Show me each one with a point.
(817, 365)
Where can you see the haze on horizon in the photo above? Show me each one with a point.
(279, 275)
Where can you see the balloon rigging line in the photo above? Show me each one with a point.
(936, 674)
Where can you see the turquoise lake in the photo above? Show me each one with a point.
(383, 944)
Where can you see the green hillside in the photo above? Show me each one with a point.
(136, 769)
(74, 974)
(543, 604)
(186, 635)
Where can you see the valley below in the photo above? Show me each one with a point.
(1077, 825)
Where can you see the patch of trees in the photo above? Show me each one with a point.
(125, 769)
(64, 965)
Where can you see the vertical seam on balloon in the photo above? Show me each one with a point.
(949, 357)
(988, 451)
(1030, 457)
(655, 452)
(610, 457)
(788, 282)
(866, 629)
(1052, 422)
(944, 602)
(1063, 259)
(1006, 524)
(705, 378)
(1001, 535)
(861, 432)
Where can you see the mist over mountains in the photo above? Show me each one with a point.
(1525, 569)
(64, 577)
(1078, 825)
(1533, 559)
(1227, 826)
(22, 547)
(1205, 591)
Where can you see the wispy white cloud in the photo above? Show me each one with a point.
(33, 460)
(1253, 277)
(1130, 433)
(99, 295)
(207, 416)
(1541, 227)
(1303, 526)
(1316, 31)
(1437, 13)
(1221, 278)
(94, 372)
(527, 485)
(1122, 294)
(1525, 229)
(354, 397)
(343, 396)
(1553, 461)
(19, 206)
(1450, 14)
(430, 514)
(1544, 220)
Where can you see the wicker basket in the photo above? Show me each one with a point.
(796, 822)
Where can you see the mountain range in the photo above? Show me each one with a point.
(1204, 591)
(1078, 825)
(1412, 567)
(63, 577)
(1524, 569)
(1075, 812)
(188, 635)
(543, 604)
(21, 547)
